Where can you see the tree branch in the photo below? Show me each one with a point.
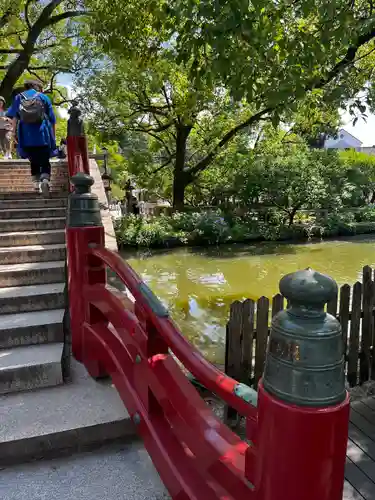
(166, 147)
(225, 139)
(66, 15)
(151, 130)
(346, 61)
(11, 51)
(50, 68)
(169, 104)
(149, 108)
(36, 75)
(165, 164)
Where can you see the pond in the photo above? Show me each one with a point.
(199, 284)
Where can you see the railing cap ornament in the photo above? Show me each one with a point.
(305, 363)
(82, 183)
(83, 206)
(309, 288)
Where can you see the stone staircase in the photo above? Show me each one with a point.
(32, 279)
(54, 418)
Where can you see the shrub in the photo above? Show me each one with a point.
(366, 214)
(134, 230)
(212, 228)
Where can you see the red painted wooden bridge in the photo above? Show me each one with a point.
(291, 452)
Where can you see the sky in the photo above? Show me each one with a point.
(363, 130)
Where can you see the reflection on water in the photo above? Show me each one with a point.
(198, 285)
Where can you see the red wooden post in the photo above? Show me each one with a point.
(78, 156)
(84, 229)
(303, 408)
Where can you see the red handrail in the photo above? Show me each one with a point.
(173, 420)
(215, 380)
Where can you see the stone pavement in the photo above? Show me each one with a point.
(115, 472)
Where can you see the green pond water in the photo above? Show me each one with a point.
(199, 284)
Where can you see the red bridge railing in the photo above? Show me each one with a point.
(196, 455)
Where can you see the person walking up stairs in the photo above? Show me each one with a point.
(35, 132)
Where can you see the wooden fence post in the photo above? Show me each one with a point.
(367, 324)
(354, 334)
(263, 305)
(344, 316)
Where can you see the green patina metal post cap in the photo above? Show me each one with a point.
(82, 182)
(305, 360)
(308, 287)
(83, 206)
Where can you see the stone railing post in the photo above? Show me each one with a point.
(303, 407)
(84, 228)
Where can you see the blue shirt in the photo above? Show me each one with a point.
(34, 134)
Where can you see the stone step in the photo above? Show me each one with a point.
(32, 273)
(8, 186)
(31, 253)
(21, 175)
(31, 298)
(22, 329)
(40, 202)
(23, 238)
(18, 162)
(28, 194)
(30, 367)
(71, 417)
(24, 168)
(7, 225)
(32, 213)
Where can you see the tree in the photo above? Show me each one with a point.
(360, 172)
(185, 123)
(273, 54)
(41, 39)
(290, 178)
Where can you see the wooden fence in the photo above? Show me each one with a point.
(249, 325)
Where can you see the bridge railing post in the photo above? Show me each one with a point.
(303, 407)
(84, 229)
(78, 156)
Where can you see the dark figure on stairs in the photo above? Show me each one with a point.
(35, 132)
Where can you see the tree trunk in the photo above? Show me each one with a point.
(180, 178)
(291, 215)
(14, 72)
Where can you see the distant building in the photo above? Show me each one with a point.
(343, 141)
(369, 150)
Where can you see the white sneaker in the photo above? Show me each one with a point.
(44, 187)
(36, 185)
(8, 156)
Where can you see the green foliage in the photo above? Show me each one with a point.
(220, 70)
(270, 53)
(40, 39)
(135, 231)
(214, 228)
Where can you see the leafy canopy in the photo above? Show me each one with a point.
(270, 52)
